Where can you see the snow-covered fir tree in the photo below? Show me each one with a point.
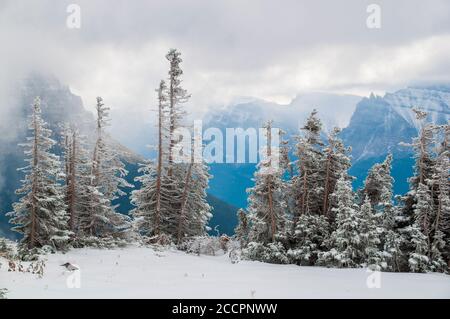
(311, 233)
(108, 170)
(195, 212)
(307, 189)
(40, 215)
(378, 190)
(344, 244)
(418, 257)
(440, 241)
(85, 203)
(107, 178)
(370, 236)
(423, 147)
(153, 200)
(378, 185)
(336, 162)
(267, 205)
(172, 200)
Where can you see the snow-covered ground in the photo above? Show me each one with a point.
(135, 272)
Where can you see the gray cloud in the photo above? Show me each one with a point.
(268, 49)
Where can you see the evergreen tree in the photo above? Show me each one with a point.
(345, 242)
(378, 189)
(440, 254)
(370, 236)
(40, 215)
(267, 206)
(107, 177)
(107, 168)
(378, 185)
(337, 162)
(154, 199)
(195, 212)
(418, 257)
(308, 186)
(172, 201)
(423, 146)
(311, 233)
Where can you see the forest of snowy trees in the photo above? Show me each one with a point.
(315, 217)
(302, 211)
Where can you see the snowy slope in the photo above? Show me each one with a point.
(144, 273)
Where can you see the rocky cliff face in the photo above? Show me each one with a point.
(379, 124)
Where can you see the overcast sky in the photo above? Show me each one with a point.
(267, 49)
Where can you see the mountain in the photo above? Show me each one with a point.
(380, 124)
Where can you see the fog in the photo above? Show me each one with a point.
(266, 49)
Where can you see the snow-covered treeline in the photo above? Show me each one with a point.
(315, 217)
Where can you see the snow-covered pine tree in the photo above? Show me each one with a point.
(378, 185)
(195, 212)
(267, 206)
(153, 200)
(243, 228)
(423, 147)
(308, 186)
(336, 162)
(85, 204)
(310, 235)
(392, 241)
(439, 254)
(418, 260)
(108, 170)
(108, 173)
(370, 236)
(344, 244)
(419, 232)
(176, 170)
(176, 97)
(172, 200)
(40, 214)
(378, 189)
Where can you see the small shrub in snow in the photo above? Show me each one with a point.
(273, 253)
